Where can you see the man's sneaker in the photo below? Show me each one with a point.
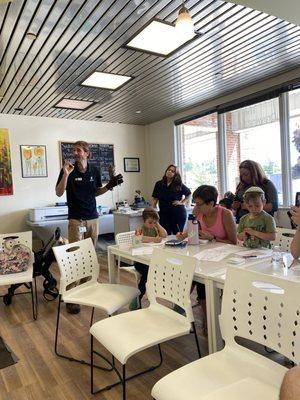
(73, 308)
(134, 305)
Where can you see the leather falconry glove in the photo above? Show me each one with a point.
(114, 181)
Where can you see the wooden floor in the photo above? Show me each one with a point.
(40, 374)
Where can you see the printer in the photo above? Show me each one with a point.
(44, 220)
(40, 214)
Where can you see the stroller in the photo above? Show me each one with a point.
(42, 262)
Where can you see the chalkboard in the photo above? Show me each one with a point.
(101, 157)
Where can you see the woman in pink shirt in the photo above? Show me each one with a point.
(216, 222)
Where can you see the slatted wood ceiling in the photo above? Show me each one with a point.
(77, 37)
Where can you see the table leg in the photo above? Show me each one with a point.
(111, 262)
(209, 301)
(217, 341)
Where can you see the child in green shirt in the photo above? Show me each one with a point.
(257, 228)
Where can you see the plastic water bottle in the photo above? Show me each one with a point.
(193, 232)
(138, 238)
(277, 257)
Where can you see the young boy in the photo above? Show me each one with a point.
(257, 228)
(151, 231)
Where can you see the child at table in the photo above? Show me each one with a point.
(151, 231)
(257, 228)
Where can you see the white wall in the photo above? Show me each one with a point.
(287, 10)
(128, 140)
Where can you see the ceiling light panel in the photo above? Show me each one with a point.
(105, 80)
(74, 104)
(160, 38)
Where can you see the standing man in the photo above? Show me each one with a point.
(82, 183)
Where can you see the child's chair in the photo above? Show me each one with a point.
(125, 240)
(284, 238)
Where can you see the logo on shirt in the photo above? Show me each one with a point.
(91, 179)
(78, 179)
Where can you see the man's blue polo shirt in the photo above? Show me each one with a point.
(81, 192)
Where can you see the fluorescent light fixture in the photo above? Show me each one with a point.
(106, 80)
(160, 38)
(74, 104)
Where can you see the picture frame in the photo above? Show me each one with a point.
(131, 164)
(33, 161)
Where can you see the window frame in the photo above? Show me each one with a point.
(284, 126)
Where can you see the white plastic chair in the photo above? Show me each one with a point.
(18, 279)
(78, 262)
(284, 238)
(125, 240)
(170, 278)
(262, 308)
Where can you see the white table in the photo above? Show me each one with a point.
(205, 273)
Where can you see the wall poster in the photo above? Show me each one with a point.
(34, 161)
(6, 184)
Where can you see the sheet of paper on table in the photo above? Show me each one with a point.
(216, 254)
(142, 250)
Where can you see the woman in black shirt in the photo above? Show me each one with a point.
(172, 195)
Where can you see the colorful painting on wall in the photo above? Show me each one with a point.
(6, 184)
(34, 161)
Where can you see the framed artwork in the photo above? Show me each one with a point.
(34, 161)
(6, 183)
(131, 164)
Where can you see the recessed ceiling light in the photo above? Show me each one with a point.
(160, 38)
(74, 104)
(105, 80)
(138, 111)
(31, 35)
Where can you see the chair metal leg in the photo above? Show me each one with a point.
(63, 355)
(92, 316)
(34, 300)
(122, 379)
(196, 339)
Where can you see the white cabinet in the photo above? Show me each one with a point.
(127, 222)
(44, 229)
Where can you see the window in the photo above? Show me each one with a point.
(294, 111)
(267, 132)
(253, 133)
(199, 154)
